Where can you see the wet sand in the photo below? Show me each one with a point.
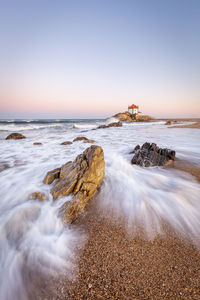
(195, 125)
(187, 167)
(114, 265)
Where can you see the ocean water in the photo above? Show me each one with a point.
(31, 233)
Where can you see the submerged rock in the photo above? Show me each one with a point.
(101, 126)
(151, 155)
(115, 124)
(38, 196)
(169, 123)
(81, 178)
(3, 166)
(51, 176)
(89, 141)
(66, 143)
(80, 138)
(15, 136)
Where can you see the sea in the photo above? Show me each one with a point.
(32, 235)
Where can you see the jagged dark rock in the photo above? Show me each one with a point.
(135, 149)
(151, 155)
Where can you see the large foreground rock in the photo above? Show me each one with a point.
(81, 178)
(151, 155)
(15, 136)
(51, 176)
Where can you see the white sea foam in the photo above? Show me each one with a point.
(84, 126)
(156, 123)
(31, 232)
(15, 127)
(32, 236)
(149, 196)
(111, 120)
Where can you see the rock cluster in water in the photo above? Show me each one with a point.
(38, 196)
(128, 117)
(115, 124)
(15, 136)
(79, 138)
(151, 155)
(81, 178)
(169, 122)
(52, 175)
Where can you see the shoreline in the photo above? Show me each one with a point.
(114, 265)
(195, 125)
(117, 265)
(188, 167)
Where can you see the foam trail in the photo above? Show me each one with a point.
(33, 239)
(151, 196)
(84, 126)
(111, 120)
(13, 127)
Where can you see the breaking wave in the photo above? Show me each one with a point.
(150, 196)
(33, 238)
(84, 126)
(13, 127)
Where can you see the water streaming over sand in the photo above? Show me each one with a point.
(149, 197)
(32, 235)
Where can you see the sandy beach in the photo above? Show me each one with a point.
(100, 150)
(117, 265)
(109, 259)
(195, 125)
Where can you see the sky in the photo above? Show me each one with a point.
(91, 59)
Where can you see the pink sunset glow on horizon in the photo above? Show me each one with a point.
(81, 64)
(92, 106)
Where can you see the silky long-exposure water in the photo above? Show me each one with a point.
(31, 233)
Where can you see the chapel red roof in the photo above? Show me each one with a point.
(132, 106)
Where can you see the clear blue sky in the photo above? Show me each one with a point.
(93, 58)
